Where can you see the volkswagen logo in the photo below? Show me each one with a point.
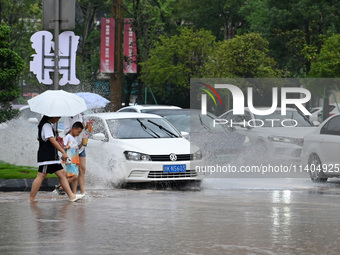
(173, 157)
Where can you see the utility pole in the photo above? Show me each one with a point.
(56, 45)
(58, 15)
(116, 77)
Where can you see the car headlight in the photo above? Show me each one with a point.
(197, 155)
(282, 139)
(136, 156)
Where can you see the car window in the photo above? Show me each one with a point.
(141, 128)
(297, 119)
(236, 117)
(194, 123)
(128, 110)
(314, 110)
(181, 122)
(332, 127)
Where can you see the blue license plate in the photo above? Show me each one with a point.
(174, 168)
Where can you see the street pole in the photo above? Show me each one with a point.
(116, 77)
(56, 46)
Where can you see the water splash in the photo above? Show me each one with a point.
(20, 146)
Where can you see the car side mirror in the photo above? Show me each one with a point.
(316, 123)
(99, 137)
(185, 134)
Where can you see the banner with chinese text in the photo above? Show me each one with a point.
(130, 49)
(107, 49)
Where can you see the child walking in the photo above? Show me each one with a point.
(48, 159)
(72, 147)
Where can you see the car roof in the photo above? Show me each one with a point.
(168, 112)
(145, 106)
(122, 115)
(268, 107)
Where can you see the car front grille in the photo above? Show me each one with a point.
(162, 175)
(180, 157)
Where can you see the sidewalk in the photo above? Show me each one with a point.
(25, 184)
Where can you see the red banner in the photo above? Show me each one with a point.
(107, 45)
(130, 48)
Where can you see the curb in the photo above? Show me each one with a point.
(48, 184)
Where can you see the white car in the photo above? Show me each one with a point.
(274, 136)
(146, 108)
(142, 148)
(315, 111)
(320, 152)
(333, 109)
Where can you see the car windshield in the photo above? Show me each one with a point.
(300, 121)
(139, 128)
(194, 123)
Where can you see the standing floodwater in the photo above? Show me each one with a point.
(294, 218)
(227, 216)
(20, 146)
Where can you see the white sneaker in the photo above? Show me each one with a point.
(78, 197)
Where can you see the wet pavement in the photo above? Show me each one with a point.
(226, 216)
(287, 214)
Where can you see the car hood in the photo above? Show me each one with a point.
(158, 146)
(294, 132)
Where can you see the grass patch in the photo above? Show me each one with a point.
(10, 171)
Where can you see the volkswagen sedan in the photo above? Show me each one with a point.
(142, 148)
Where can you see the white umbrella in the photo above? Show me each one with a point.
(93, 100)
(57, 103)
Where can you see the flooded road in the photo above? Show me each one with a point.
(227, 216)
(282, 215)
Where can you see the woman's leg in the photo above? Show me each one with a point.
(81, 177)
(64, 183)
(36, 185)
(74, 183)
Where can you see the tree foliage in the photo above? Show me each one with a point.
(221, 17)
(176, 59)
(244, 56)
(254, 38)
(10, 66)
(294, 29)
(327, 65)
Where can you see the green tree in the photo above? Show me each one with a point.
(326, 65)
(244, 56)
(10, 66)
(294, 29)
(24, 19)
(151, 20)
(221, 17)
(88, 14)
(173, 61)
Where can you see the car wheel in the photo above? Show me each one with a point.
(315, 169)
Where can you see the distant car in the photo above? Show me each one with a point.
(215, 141)
(141, 148)
(61, 122)
(26, 113)
(320, 152)
(274, 136)
(146, 108)
(333, 109)
(314, 113)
